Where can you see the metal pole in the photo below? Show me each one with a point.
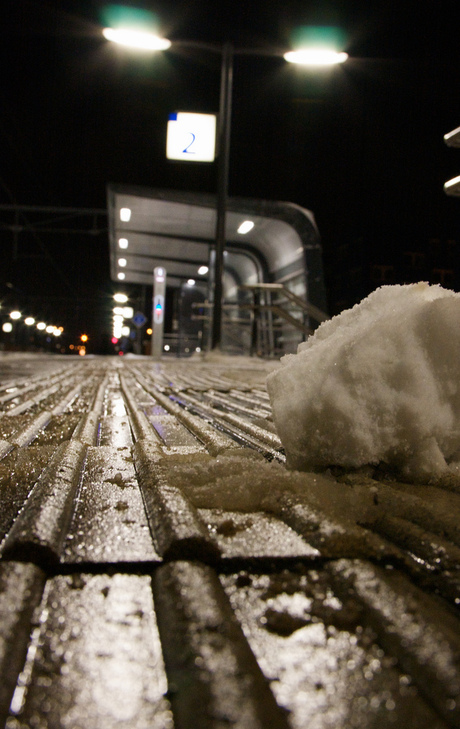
(225, 113)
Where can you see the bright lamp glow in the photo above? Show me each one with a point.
(123, 243)
(203, 270)
(191, 282)
(122, 262)
(120, 298)
(136, 39)
(245, 227)
(41, 326)
(49, 329)
(121, 276)
(15, 315)
(7, 327)
(454, 182)
(29, 321)
(125, 215)
(315, 57)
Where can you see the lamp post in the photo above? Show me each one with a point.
(312, 56)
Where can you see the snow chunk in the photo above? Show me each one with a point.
(378, 383)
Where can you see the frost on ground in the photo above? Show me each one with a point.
(380, 383)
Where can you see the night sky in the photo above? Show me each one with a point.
(361, 145)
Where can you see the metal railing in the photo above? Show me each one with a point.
(276, 321)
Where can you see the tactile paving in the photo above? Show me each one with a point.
(160, 567)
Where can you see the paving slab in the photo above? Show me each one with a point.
(160, 566)
(97, 659)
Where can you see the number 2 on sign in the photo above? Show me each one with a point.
(187, 148)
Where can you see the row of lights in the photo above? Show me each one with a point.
(120, 313)
(316, 55)
(123, 243)
(30, 321)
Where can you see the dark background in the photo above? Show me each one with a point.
(360, 145)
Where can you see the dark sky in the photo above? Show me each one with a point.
(362, 146)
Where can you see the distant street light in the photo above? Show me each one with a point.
(315, 55)
(15, 315)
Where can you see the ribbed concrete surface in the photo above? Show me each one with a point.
(161, 568)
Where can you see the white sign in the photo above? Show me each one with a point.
(191, 137)
(158, 310)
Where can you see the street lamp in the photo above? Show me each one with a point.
(311, 56)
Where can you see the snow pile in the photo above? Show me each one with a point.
(380, 383)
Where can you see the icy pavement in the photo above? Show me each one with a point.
(161, 568)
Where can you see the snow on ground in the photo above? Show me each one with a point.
(380, 383)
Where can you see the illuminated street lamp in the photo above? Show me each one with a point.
(314, 51)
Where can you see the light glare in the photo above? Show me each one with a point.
(121, 276)
(315, 57)
(125, 215)
(41, 326)
(7, 327)
(122, 262)
(123, 243)
(120, 298)
(15, 314)
(29, 321)
(203, 270)
(245, 227)
(136, 39)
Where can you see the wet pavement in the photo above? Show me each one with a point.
(161, 568)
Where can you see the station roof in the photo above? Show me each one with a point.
(176, 230)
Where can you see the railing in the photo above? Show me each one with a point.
(280, 325)
(272, 328)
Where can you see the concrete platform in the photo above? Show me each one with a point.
(161, 568)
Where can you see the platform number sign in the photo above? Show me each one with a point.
(191, 137)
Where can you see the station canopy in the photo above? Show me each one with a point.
(176, 230)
